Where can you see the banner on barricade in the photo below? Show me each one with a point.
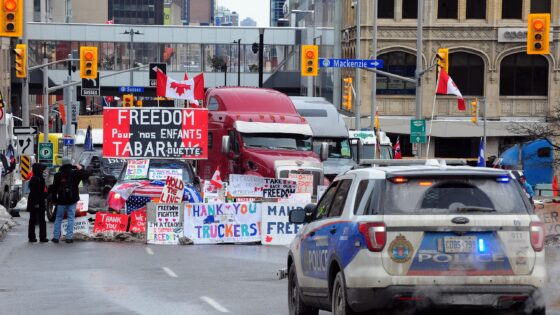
(223, 222)
(278, 188)
(138, 222)
(164, 223)
(304, 183)
(110, 222)
(277, 229)
(245, 185)
(172, 191)
(81, 225)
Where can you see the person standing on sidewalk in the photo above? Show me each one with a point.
(36, 204)
(66, 194)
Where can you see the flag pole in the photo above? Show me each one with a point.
(432, 118)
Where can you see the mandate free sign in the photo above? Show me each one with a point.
(155, 133)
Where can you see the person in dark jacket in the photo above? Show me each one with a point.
(36, 204)
(66, 194)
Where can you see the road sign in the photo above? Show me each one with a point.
(68, 142)
(418, 131)
(351, 63)
(131, 89)
(24, 166)
(26, 144)
(153, 73)
(26, 130)
(46, 152)
(91, 87)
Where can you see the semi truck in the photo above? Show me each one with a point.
(258, 132)
(328, 127)
(368, 140)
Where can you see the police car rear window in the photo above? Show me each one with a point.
(453, 195)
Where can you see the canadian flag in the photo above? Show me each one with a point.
(448, 87)
(397, 149)
(167, 87)
(198, 89)
(216, 180)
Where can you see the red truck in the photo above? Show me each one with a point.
(257, 132)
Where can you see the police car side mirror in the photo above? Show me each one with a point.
(297, 216)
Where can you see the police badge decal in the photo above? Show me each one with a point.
(400, 250)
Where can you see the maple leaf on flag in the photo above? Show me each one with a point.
(180, 88)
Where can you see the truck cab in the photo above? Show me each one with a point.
(328, 127)
(368, 140)
(258, 132)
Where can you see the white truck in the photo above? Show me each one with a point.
(367, 137)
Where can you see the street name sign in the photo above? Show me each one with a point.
(131, 89)
(153, 72)
(351, 63)
(418, 131)
(26, 130)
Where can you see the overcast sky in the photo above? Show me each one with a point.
(258, 10)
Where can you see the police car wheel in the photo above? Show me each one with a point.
(295, 305)
(339, 304)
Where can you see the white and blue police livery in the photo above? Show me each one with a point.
(418, 236)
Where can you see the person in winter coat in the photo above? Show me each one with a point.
(65, 194)
(36, 204)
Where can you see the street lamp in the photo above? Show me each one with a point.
(238, 42)
(261, 56)
(131, 32)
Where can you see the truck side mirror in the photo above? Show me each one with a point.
(225, 144)
(324, 151)
(359, 148)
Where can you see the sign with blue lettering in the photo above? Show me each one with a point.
(68, 142)
(351, 63)
(131, 89)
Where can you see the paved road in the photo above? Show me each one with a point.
(132, 278)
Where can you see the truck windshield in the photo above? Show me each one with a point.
(338, 148)
(277, 141)
(368, 151)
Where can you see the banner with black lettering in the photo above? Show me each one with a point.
(155, 133)
(276, 226)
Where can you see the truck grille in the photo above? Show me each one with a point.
(316, 177)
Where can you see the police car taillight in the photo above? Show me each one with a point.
(537, 235)
(375, 234)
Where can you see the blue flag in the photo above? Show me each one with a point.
(481, 160)
(88, 141)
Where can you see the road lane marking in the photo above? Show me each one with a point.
(169, 272)
(214, 304)
(149, 251)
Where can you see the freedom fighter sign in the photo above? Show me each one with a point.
(155, 133)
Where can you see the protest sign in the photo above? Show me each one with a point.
(297, 198)
(304, 183)
(223, 222)
(155, 133)
(163, 173)
(277, 229)
(278, 188)
(549, 215)
(164, 223)
(81, 225)
(83, 203)
(138, 222)
(320, 191)
(137, 169)
(172, 191)
(110, 222)
(245, 185)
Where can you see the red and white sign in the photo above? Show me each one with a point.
(155, 133)
(172, 191)
(110, 222)
(304, 183)
(138, 221)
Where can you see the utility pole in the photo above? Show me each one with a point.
(374, 75)
(358, 70)
(418, 72)
(68, 99)
(337, 80)
(238, 42)
(261, 56)
(131, 32)
(25, 83)
(45, 97)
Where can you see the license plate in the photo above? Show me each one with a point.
(459, 244)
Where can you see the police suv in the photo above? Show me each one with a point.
(418, 236)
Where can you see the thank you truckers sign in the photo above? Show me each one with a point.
(155, 133)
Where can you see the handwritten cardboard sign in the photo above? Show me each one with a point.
(304, 183)
(110, 222)
(173, 190)
(550, 216)
(83, 203)
(245, 185)
(163, 173)
(81, 225)
(277, 229)
(138, 222)
(164, 223)
(137, 169)
(278, 188)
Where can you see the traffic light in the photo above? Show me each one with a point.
(443, 59)
(309, 60)
(474, 107)
(11, 18)
(21, 60)
(347, 95)
(139, 103)
(538, 34)
(128, 100)
(88, 62)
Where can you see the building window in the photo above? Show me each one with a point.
(410, 9)
(540, 6)
(386, 9)
(476, 9)
(512, 9)
(447, 9)
(523, 75)
(467, 71)
(401, 63)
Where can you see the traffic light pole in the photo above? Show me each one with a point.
(358, 110)
(45, 101)
(25, 84)
(418, 73)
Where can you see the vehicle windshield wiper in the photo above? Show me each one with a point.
(475, 209)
